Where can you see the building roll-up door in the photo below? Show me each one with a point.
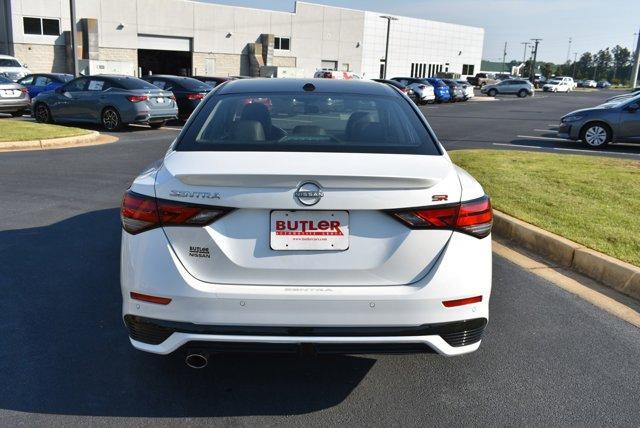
(161, 43)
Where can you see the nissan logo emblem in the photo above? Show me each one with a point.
(309, 193)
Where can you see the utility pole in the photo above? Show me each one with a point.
(569, 50)
(74, 46)
(535, 56)
(386, 49)
(504, 55)
(575, 59)
(636, 64)
(524, 56)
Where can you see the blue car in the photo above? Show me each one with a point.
(440, 89)
(42, 82)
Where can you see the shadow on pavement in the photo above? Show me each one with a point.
(64, 349)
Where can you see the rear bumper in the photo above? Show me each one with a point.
(7, 105)
(227, 313)
(447, 338)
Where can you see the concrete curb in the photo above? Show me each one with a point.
(607, 270)
(92, 137)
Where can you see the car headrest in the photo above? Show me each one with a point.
(308, 130)
(357, 120)
(257, 111)
(248, 130)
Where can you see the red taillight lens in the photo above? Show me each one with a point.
(462, 302)
(473, 217)
(195, 96)
(172, 97)
(140, 213)
(149, 298)
(137, 98)
(24, 90)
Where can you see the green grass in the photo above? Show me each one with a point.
(18, 130)
(592, 200)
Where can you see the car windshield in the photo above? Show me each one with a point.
(309, 122)
(554, 82)
(8, 62)
(134, 83)
(617, 102)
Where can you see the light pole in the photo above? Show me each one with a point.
(74, 47)
(575, 59)
(386, 48)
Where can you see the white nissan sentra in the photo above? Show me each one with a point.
(309, 212)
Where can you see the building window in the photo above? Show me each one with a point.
(41, 26)
(467, 68)
(282, 43)
(329, 65)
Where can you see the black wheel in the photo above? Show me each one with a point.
(18, 113)
(522, 93)
(492, 92)
(111, 119)
(596, 134)
(42, 113)
(157, 125)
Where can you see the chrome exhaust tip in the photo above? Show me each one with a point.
(197, 360)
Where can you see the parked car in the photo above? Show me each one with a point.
(503, 76)
(467, 87)
(109, 100)
(617, 120)
(440, 89)
(14, 98)
(213, 81)
(325, 73)
(481, 79)
(12, 68)
(253, 227)
(456, 90)
(572, 84)
(587, 83)
(556, 85)
(519, 87)
(402, 88)
(187, 91)
(423, 90)
(42, 82)
(539, 81)
(603, 84)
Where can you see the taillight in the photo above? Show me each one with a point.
(197, 96)
(462, 302)
(24, 90)
(139, 213)
(137, 98)
(473, 217)
(172, 97)
(149, 298)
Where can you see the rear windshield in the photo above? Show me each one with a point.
(308, 122)
(65, 77)
(193, 84)
(134, 83)
(5, 80)
(7, 62)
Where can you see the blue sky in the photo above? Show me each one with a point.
(592, 24)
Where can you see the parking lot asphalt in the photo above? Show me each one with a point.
(548, 357)
(509, 122)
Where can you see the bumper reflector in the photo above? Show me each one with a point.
(462, 302)
(150, 299)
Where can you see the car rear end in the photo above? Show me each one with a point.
(344, 231)
(189, 93)
(14, 98)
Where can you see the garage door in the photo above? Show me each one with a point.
(162, 43)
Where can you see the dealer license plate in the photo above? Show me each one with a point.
(309, 230)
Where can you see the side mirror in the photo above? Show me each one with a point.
(632, 108)
(59, 90)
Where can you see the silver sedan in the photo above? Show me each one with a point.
(14, 98)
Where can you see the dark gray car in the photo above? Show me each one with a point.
(618, 120)
(109, 100)
(14, 98)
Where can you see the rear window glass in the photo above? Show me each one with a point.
(310, 122)
(65, 77)
(5, 80)
(134, 83)
(7, 62)
(193, 85)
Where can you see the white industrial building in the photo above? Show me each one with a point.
(197, 37)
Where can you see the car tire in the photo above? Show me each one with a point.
(110, 119)
(522, 93)
(596, 134)
(42, 113)
(157, 125)
(492, 92)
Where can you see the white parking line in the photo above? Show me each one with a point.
(535, 137)
(516, 145)
(543, 130)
